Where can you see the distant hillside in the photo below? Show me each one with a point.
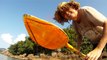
(2, 49)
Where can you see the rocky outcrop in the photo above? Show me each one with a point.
(54, 56)
(5, 52)
(42, 56)
(21, 57)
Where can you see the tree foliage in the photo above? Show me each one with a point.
(28, 47)
(86, 45)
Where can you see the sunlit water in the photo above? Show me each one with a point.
(3, 57)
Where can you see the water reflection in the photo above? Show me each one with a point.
(3, 57)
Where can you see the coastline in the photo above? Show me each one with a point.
(54, 56)
(21, 57)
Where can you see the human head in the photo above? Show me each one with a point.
(62, 8)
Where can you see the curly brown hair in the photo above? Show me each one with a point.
(62, 7)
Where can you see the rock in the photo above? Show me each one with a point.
(42, 55)
(6, 52)
(54, 54)
(21, 56)
(59, 54)
(31, 57)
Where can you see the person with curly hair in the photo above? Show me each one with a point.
(87, 22)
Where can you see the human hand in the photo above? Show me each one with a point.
(93, 55)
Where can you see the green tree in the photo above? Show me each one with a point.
(72, 38)
(13, 49)
(28, 47)
(72, 35)
(86, 45)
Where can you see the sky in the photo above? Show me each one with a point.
(12, 28)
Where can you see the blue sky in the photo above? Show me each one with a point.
(12, 27)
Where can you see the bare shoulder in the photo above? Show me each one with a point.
(87, 7)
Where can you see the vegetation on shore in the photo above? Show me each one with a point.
(29, 47)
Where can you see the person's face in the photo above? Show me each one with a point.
(71, 14)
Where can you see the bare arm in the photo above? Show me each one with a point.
(95, 54)
(103, 40)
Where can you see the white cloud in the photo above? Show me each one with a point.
(20, 37)
(8, 38)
